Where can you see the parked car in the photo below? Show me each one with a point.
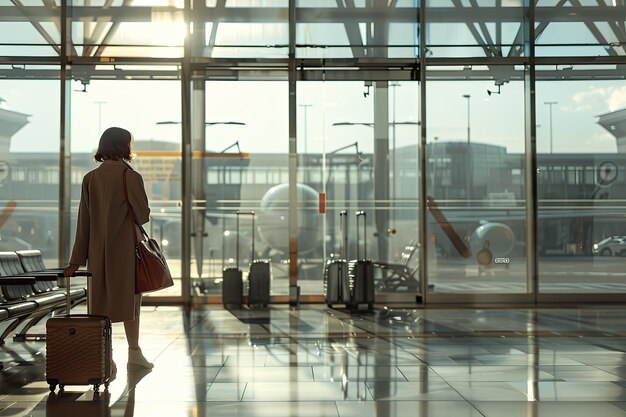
(611, 246)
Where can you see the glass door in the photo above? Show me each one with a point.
(239, 163)
(357, 147)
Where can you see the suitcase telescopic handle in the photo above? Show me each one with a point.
(68, 282)
(68, 300)
(359, 214)
(253, 215)
(343, 246)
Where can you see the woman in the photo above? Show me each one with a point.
(104, 240)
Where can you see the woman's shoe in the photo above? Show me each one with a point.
(137, 361)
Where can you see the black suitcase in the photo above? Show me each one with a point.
(336, 288)
(259, 273)
(361, 272)
(336, 282)
(259, 282)
(232, 287)
(232, 282)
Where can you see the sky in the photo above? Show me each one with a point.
(263, 106)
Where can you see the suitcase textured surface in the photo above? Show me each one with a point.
(336, 279)
(336, 285)
(78, 351)
(259, 282)
(232, 287)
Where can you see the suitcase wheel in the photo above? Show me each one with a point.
(53, 387)
(96, 388)
(61, 388)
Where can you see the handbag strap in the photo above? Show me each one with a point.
(130, 210)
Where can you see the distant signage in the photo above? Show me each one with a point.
(606, 173)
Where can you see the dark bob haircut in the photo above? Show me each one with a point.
(114, 144)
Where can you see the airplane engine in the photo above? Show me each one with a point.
(273, 220)
(497, 237)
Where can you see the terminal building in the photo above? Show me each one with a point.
(485, 141)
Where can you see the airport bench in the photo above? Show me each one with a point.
(401, 274)
(32, 261)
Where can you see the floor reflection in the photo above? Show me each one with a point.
(313, 361)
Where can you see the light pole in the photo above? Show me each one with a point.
(306, 130)
(468, 178)
(306, 135)
(393, 139)
(100, 103)
(550, 104)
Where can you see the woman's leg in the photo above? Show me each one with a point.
(132, 326)
(136, 360)
(132, 333)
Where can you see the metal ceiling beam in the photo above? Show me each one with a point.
(325, 15)
(353, 32)
(373, 73)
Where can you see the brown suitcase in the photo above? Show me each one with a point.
(78, 350)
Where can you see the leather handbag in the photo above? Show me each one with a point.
(151, 270)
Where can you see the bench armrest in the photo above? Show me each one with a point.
(17, 280)
(58, 273)
(40, 275)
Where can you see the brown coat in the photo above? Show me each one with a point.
(104, 241)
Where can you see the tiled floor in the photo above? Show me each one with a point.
(313, 361)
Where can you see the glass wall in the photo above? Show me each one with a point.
(130, 103)
(581, 183)
(475, 182)
(345, 79)
(29, 160)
